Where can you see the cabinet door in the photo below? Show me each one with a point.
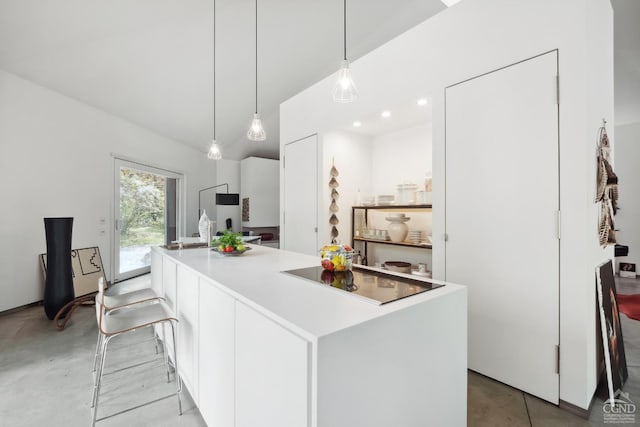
(502, 200)
(301, 196)
(217, 352)
(169, 272)
(188, 308)
(272, 375)
(156, 272)
(168, 286)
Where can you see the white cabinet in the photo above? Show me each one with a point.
(216, 350)
(272, 373)
(156, 272)
(188, 309)
(169, 291)
(259, 191)
(169, 271)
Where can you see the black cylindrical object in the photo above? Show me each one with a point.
(58, 289)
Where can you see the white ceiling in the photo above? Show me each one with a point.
(401, 116)
(151, 61)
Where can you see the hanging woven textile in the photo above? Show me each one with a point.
(606, 189)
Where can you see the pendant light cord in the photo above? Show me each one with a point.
(345, 29)
(256, 56)
(214, 69)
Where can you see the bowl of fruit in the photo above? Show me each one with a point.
(336, 257)
(229, 244)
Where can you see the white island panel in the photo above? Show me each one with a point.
(403, 369)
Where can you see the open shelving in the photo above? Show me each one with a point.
(426, 208)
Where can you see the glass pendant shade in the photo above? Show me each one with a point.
(214, 151)
(345, 90)
(256, 132)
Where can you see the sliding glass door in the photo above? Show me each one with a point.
(146, 212)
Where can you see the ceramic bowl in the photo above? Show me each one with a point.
(398, 266)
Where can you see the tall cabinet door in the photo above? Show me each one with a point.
(301, 196)
(188, 319)
(217, 354)
(502, 208)
(271, 373)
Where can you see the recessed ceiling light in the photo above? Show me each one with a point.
(386, 114)
(422, 101)
(450, 3)
(357, 124)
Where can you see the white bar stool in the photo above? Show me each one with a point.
(116, 300)
(129, 319)
(115, 297)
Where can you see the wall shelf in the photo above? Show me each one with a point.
(389, 242)
(386, 208)
(395, 208)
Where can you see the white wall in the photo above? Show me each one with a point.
(627, 148)
(228, 171)
(352, 155)
(56, 160)
(401, 157)
(260, 184)
(472, 38)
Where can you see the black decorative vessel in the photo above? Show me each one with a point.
(58, 289)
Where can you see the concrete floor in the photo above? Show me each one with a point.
(45, 379)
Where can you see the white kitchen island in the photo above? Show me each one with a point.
(260, 348)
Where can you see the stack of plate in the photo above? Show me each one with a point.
(385, 199)
(414, 236)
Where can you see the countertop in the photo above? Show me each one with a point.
(309, 309)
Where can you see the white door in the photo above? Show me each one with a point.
(301, 196)
(502, 202)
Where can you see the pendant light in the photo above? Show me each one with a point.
(256, 132)
(214, 151)
(345, 90)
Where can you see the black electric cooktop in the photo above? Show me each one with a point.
(374, 286)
